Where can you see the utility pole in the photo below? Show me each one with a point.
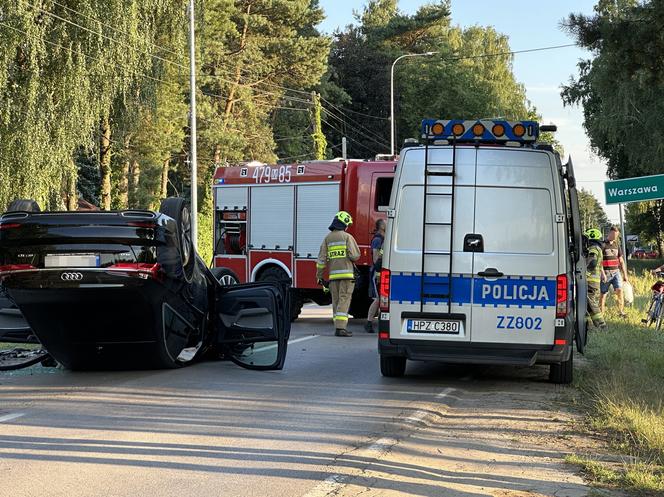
(192, 127)
(344, 148)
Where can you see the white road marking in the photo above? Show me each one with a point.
(9, 417)
(330, 486)
(333, 484)
(290, 342)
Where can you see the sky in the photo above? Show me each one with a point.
(542, 73)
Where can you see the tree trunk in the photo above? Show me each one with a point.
(105, 162)
(228, 108)
(70, 191)
(123, 180)
(135, 178)
(164, 179)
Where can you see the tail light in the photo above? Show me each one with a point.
(562, 291)
(384, 291)
(13, 268)
(143, 270)
(9, 226)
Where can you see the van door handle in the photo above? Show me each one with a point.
(490, 272)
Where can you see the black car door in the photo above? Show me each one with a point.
(252, 323)
(580, 287)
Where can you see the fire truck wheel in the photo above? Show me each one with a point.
(225, 276)
(27, 205)
(178, 209)
(278, 274)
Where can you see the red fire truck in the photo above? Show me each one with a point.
(271, 219)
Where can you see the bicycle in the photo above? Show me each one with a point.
(656, 309)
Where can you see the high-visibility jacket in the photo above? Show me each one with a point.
(611, 254)
(337, 253)
(594, 264)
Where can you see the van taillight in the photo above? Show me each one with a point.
(384, 290)
(9, 226)
(561, 295)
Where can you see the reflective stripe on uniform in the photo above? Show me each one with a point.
(341, 316)
(342, 274)
(336, 250)
(594, 279)
(320, 265)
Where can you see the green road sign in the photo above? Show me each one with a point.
(634, 189)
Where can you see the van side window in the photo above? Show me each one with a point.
(383, 192)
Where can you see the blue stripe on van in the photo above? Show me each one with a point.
(517, 291)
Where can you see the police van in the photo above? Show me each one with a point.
(483, 251)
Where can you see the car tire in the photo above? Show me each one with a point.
(562, 373)
(392, 366)
(278, 274)
(178, 209)
(225, 276)
(25, 205)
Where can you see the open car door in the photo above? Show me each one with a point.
(252, 323)
(580, 284)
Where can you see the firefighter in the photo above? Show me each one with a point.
(337, 253)
(594, 277)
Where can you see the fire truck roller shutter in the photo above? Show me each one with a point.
(316, 206)
(231, 198)
(271, 217)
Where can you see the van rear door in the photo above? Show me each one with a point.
(514, 283)
(417, 310)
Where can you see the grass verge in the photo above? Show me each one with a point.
(622, 389)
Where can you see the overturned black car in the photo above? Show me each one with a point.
(126, 289)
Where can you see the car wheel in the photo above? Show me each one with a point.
(392, 367)
(562, 373)
(26, 205)
(178, 209)
(225, 276)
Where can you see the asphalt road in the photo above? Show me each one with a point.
(314, 429)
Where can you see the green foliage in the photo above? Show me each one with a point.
(592, 212)
(60, 72)
(457, 82)
(622, 87)
(646, 219)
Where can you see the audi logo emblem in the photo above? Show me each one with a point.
(71, 276)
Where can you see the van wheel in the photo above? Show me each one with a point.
(392, 367)
(562, 374)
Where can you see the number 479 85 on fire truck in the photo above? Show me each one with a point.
(271, 220)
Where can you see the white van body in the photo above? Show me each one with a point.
(510, 254)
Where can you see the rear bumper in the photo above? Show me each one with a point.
(489, 354)
(455, 352)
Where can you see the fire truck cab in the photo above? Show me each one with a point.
(269, 221)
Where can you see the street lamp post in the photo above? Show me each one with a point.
(192, 126)
(392, 123)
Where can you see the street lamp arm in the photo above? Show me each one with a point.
(392, 123)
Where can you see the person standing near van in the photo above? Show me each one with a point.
(594, 277)
(377, 254)
(614, 266)
(337, 253)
